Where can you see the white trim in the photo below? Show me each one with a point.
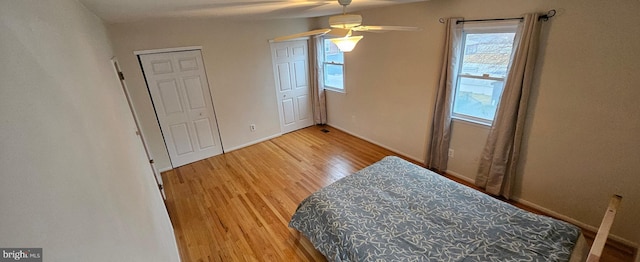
(252, 143)
(459, 176)
(136, 120)
(574, 221)
(472, 119)
(417, 159)
(339, 91)
(167, 50)
(134, 112)
(470, 122)
(165, 169)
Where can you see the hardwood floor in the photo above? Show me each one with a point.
(236, 206)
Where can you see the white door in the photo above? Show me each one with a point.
(291, 69)
(182, 101)
(123, 84)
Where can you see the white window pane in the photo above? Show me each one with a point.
(487, 53)
(332, 54)
(477, 97)
(333, 76)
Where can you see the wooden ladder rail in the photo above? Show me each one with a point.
(603, 231)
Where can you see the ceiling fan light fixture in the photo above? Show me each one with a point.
(346, 44)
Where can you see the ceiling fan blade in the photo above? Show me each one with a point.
(303, 34)
(339, 32)
(382, 28)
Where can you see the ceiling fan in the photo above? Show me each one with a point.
(342, 26)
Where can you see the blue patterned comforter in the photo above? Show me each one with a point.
(397, 211)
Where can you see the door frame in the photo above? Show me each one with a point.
(138, 53)
(167, 50)
(156, 175)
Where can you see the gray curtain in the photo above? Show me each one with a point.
(499, 158)
(441, 126)
(316, 57)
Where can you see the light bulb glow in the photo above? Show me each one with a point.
(346, 44)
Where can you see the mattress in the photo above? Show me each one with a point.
(394, 210)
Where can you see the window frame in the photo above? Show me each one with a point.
(324, 69)
(480, 28)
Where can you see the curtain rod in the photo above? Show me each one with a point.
(549, 14)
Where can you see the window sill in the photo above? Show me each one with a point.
(471, 122)
(341, 91)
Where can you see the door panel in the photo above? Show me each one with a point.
(204, 134)
(187, 64)
(161, 67)
(284, 77)
(298, 50)
(178, 86)
(195, 95)
(300, 74)
(303, 107)
(291, 70)
(170, 97)
(181, 139)
(287, 109)
(281, 52)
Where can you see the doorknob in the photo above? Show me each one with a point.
(284, 96)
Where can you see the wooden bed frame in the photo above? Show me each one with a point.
(603, 231)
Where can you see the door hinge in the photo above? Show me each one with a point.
(121, 75)
(150, 161)
(137, 132)
(160, 187)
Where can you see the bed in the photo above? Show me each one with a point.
(394, 210)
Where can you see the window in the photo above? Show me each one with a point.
(333, 67)
(483, 67)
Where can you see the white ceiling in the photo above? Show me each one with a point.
(119, 11)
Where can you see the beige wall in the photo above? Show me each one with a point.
(387, 100)
(237, 57)
(581, 139)
(466, 142)
(74, 179)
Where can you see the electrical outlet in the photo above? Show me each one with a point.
(252, 127)
(451, 153)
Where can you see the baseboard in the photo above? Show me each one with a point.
(576, 222)
(164, 169)
(399, 152)
(227, 150)
(461, 177)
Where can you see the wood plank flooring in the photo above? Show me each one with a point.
(236, 206)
